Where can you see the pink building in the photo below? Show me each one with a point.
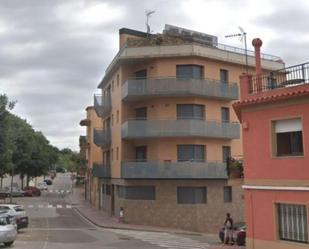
(274, 112)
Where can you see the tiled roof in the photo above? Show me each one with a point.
(267, 99)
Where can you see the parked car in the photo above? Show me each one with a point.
(42, 186)
(18, 212)
(8, 232)
(4, 193)
(48, 181)
(32, 191)
(16, 192)
(239, 233)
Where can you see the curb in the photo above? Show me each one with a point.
(133, 229)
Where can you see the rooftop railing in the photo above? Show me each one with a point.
(284, 78)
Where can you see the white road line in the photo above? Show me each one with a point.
(165, 240)
(49, 206)
(59, 206)
(30, 206)
(68, 206)
(40, 206)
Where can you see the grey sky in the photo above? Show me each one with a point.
(54, 52)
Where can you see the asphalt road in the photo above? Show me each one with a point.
(54, 224)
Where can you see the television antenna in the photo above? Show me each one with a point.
(148, 15)
(243, 37)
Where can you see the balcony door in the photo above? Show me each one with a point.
(190, 111)
(191, 153)
(226, 153)
(189, 72)
(141, 74)
(141, 153)
(225, 114)
(141, 113)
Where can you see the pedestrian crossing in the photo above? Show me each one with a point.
(165, 240)
(58, 191)
(42, 206)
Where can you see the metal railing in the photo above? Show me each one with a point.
(100, 170)
(102, 138)
(172, 86)
(133, 129)
(283, 78)
(102, 104)
(174, 170)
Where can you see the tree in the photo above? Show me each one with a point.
(5, 144)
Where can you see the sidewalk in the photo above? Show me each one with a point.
(104, 220)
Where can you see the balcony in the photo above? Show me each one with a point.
(102, 138)
(135, 129)
(137, 89)
(173, 170)
(102, 104)
(101, 171)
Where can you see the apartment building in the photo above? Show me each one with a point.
(168, 129)
(93, 156)
(273, 110)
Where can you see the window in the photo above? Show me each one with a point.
(117, 153)
(112, 154)
(192, 153)
(224, 76)
(190, 111)
(141, 113)
(113, 85)
(288, 137)
(226, 153)
(225, 114)
(136, 192)
(112, 119)
(189, 72)
(103, 189)
(141, 153)
(292, 222)
(141, 74)
(191, 195)
(118, 80)
(117, 116)
(108, 189)
(227, 194)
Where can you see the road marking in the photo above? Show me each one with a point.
(49, 206)
(30, 206)
(165, 240)
(68, 206)
(59, 206)
(41, 206)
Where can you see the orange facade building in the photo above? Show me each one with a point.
(168, 128)
(274, 112)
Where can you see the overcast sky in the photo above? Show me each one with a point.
(54, 52)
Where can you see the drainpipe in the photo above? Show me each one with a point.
(257, 44)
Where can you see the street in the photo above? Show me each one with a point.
(55, 224)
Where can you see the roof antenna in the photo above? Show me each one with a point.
(148, 15)
(243, 37)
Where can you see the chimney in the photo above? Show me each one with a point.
(257, 44)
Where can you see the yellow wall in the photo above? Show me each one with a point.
(164, 108)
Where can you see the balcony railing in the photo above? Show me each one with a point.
(286, 77)
(173, 170)
(101, 138)
(101, 171)
(134, 89)
(134, 129)
(102, 104)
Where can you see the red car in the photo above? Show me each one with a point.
(32, 191)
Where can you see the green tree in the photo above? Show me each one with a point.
(5, 144)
